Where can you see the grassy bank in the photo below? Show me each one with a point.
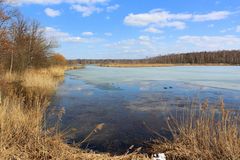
(156, 65)
(24, 99)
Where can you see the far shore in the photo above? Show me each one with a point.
(124, 65)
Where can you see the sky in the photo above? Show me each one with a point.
(120, 29)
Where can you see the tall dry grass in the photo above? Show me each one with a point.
(43, 80)
(9, 77)
(206, 133)
(22, 113)
(22, 136)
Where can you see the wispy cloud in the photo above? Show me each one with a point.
(213, 16)
(112, 8)
(56, 34)
(211, 25)
(109, 34)
(86, 10)
(88, 2)
(153, 30)
(141, 45)
(87, 33)
(238, 28)
(211, 42)
(86, 7)
(51, 12)
(227, 30)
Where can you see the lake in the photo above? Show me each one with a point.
(134, 103)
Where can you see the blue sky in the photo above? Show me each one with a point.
(136, 28)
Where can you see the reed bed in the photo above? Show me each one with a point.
(208, 133)
(22, 137)
(22, 114)
(40, 80)
(9, 77)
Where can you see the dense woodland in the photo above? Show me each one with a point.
(216, 57)
(225, 57)
(23, 43)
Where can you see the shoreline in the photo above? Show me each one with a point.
(124, 65)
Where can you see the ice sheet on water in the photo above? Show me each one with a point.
(226, 77)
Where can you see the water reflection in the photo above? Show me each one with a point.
(133, 105)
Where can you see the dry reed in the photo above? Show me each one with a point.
(206, 133)
(22, 117)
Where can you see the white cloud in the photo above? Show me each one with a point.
(238, 29)
(144, 38)
(112, 8)
(213, 16)
(53, 33)
(88, 2)
(156, 17)
(160, 18)
(87, 34)
(142, 45)
(175, 24)
(129, 46)
(211, 42)
(153, 30)
(56, 34)
(51, 12)
(108, 34)
(86, 10)
(86, 7)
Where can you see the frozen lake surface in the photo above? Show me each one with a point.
(129, 101)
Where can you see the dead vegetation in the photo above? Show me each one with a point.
(208, 133)
(25, 98)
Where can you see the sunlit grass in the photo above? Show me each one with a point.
(205, 133)
(9, 77)
(22, 115)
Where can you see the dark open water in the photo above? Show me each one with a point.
(134, 102)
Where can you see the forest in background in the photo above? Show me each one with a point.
(231, 57)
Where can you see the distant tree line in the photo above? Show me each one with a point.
(214, 57)
(225, 57)
(23, 43)
(105, 61)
